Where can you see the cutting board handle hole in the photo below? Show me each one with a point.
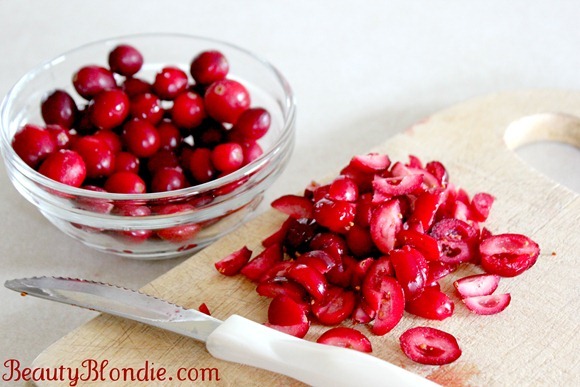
(550, 143)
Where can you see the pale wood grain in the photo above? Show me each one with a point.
(533, 342)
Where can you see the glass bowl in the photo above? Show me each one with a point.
(206, 211)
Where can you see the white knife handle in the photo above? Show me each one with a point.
(244, 341)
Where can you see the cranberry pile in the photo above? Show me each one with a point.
(132, 135)
(375, 243)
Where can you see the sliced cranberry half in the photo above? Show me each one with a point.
(429, 346)
(347, 338)
(181, 233)
(313, 281)
(457, 240)
(508, 255)
(431, 304)
(386, 222)
(294, 206)
(476, 285)
(410, 270)
(233, 263)
(336, 306)
(486, 305)
(265, 260)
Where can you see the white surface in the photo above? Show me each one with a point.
(240, 340)
(362, 71)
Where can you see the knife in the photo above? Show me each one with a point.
(236, 339)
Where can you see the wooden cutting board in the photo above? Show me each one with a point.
(535, 341)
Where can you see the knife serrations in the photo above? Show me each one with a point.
(118, 301)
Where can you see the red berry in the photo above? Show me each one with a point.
(233, 263)
(98, 157)
(188, 110)
(125, 161)
(335, 307)
(347, 338)
(431, 304)
(91, 80)
(61, 135)
(294, 206)
(33, 144)
(227, 157)
(284, 310)
(252, 151)
(170, 82)
(225, 100)
(262, 262)
(457, 240)
(125, 182)
(311, 279)
(162, 159)
(125, 60)
(135, 235)
(169, 135)
(141, 138)
(136, 86)
(208, 67)
(337, 216)
(200, 165)
(59, 108)
(252, 124)
(487, 305)
(181, 233)
(508, 255)
(64, 166)
(147, 106)
(477, 285)
(386, 221)
(430, 346)
(411, 271)
(109, 108)
(110, 138)
(168, 179)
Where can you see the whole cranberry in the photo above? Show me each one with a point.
(135, 86)
(188, 110)
(110, 138)
(209, 134)
(125, 161)
(209, 66)
(109, 108)
(252, 124)
(134, 235)
(225, 100)
(61, 135)
(170, 82)
(33, 144)
(125, 60)
(141, 138)
(169, 135)
(200, 165)
(65, 166)
(91, 80)
(147, 106)
(168, 179)
(98, 157)
(125, 182)
(227, 157)
(252, 151)
(162, 159)
(59, 108)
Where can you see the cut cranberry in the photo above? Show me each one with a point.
(425, 209)
(91, 80)
(438, 270)
(372, 162)
(168, 179)
(332, 243)
(457, 240)
(65, 166)
(337, 216)
(125, 161)
(313, 281)
(476, 285)
(508, 255)
(97, 155)
(410, 270)
(141, 138)
(262, 262)
(335, 307)
(203, 308)
(294, 206)
(385, 224)
(33, 144)
(429, 346)
(188, 110)
(125, 182)
(252, 124)
(343, 188)
(391, 303)
(387, 187)
(276, 286)
(284, 310)
(226, 99)
(438, 170)
(125, 60)
(147, 106)
(181, 233)
(170, 82)
(59, 108)
(426, 244)
(487, 305)
(227, 157)
(431, 304)
(317, 259)
(359, 241)
(481, 206)
(208, 67)
(233, 263)
(200, 165)
(346, 338)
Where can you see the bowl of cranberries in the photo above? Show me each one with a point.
(148, 146)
